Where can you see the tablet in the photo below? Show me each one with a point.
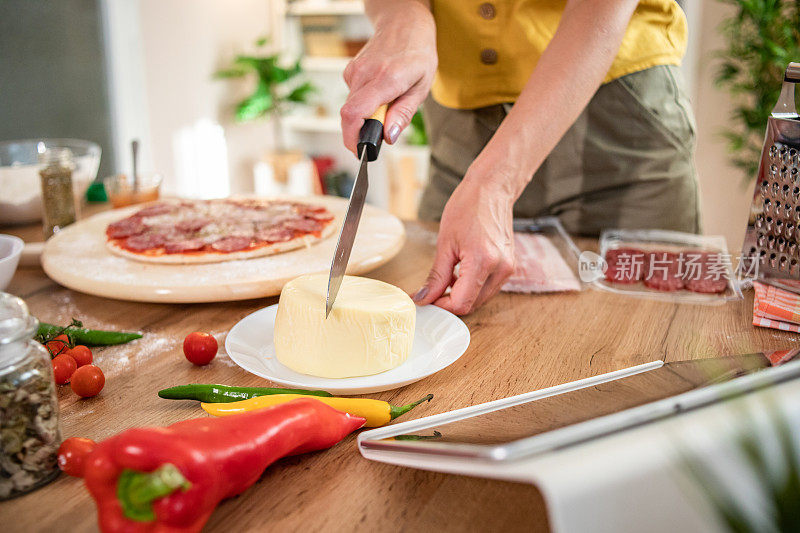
(575, 412)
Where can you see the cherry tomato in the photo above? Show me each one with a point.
(88, 381)
(57, 345)
(81, 354)
(200, 348)
(72, 455)
(64, 367)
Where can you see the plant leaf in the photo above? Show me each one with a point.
(230, 73)
(761, 37)
(256, 105)
(417, 135)
(270, 95)
(300, 93)
(280, 74)
(261, 65)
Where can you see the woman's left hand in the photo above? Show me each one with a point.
(477, 234)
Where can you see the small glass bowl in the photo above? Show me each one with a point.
(119, 189)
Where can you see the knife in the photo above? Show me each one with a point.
(369, 144)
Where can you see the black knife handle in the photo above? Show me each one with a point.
(371, 135)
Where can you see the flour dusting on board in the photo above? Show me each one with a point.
(423, 234)
(222, 355)
(67, 309)
(118, 359)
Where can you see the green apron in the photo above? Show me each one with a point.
(626, 162)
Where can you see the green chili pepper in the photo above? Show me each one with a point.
(89, 337)
(212, 393)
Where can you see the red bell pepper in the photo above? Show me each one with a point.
(172, 478)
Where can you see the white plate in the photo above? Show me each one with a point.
(440, 338)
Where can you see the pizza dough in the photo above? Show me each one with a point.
(209, 231)
(369, 330)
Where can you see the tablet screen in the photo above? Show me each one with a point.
(546, 414)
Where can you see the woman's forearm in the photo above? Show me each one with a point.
(566, 77)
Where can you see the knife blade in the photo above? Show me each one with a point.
(369, 145)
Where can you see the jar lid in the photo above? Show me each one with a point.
(16, 321)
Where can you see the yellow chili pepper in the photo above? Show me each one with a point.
(377, 412)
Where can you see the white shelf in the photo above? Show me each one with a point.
(331, 7)
(312, 124)
(324, 64)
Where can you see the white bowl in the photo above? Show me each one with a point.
(10, 250)
(20, 188)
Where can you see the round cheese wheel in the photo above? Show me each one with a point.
(369, 330)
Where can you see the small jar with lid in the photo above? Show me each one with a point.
(58, 199)
(29, 426)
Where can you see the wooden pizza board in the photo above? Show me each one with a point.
(77, 258)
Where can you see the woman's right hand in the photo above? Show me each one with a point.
(395, 67)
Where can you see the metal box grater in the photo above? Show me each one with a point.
(772, 241)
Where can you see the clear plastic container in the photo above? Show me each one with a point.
(558, 280)
(29, 428)
(686, 247)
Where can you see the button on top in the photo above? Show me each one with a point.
(488, 56)
(487, 11)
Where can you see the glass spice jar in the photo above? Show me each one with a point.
(29, 428)
(58, 199)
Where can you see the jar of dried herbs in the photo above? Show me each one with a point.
(29, 430)
(58, 199)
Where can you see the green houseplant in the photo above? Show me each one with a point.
(762, 37)
(277, 88)
(417, 136)
(775, 469)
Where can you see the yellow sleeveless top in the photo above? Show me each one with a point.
(488, 49)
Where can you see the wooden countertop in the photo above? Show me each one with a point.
(519, 343)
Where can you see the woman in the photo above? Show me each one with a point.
(574, 108)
